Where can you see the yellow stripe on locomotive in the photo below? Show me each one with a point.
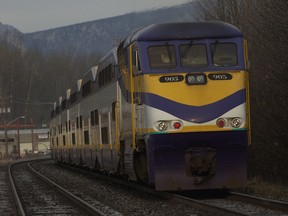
(197, 95)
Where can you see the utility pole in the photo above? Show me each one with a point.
(6, 110)
(18, 139)
(6, 137)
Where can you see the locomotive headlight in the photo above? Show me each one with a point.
(190, 80)
(200, 78)
(196, 79)
(236, 122)
(162, 126)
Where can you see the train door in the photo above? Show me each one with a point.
(139, 108)
(140, 158)
(114, 145)
(106, 139)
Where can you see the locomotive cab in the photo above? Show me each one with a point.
(188, 90)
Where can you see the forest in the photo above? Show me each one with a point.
(264, 25)
(30, 81)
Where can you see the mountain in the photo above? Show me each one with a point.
(8, 29)
(10, 34)
(97, 36)
(101, 35)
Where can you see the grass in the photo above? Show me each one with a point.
(257, 187)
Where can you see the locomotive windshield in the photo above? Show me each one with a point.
(161, 57)
(215, 54)
(193, 55)
(224, 54)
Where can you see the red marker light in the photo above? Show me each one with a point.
(221, 123)
(177, 125)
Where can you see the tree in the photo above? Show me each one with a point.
(264, 24)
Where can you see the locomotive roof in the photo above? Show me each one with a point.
(184, 30)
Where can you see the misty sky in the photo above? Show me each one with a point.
(36, 15)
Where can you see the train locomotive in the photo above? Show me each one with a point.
(169, 106)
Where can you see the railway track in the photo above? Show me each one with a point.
(37, 195)
(7, 206)
(215, 202)
(135, 199)
(231, 203)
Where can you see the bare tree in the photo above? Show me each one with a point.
(264, 24)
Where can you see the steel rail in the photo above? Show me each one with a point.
(91, 209)
(205, 207)
(264, 202)
(15, 193)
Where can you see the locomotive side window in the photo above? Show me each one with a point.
(224, 54)
(161, 57)
(135, 61)
(193, 55)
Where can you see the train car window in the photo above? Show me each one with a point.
(73, 139)
(57, 110)
(86, 137)
(80, 119)
(193, 55)
(224, 54)
(105, 76)
(114, 111)
(86, 89)
(96, 115)
(64, 140)
(63, 104)
(104, 135)
(92, 118)
(122, 58)
(161, 57)
(73, 98)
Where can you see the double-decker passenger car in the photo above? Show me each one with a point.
(169, 107)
